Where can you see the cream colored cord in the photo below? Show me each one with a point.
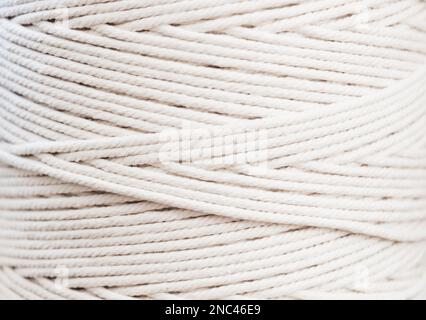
(317, 109)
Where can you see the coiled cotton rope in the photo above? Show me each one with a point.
(99, 197)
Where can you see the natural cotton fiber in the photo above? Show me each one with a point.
(221, 149)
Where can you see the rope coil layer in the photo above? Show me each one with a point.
(223, 149)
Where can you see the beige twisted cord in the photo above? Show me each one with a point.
(317, 109)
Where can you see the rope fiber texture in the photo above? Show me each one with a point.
(335, 207)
